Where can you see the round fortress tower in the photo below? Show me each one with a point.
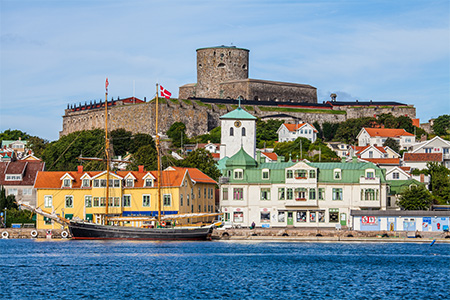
(216, 65)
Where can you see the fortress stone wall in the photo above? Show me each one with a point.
(202, 117)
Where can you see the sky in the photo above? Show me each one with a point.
(54, 53)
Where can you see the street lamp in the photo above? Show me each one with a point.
(5, 217)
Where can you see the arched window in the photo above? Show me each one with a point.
(231, 131)
(243, 131)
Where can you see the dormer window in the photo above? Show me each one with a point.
(370, 173)
(66, 182)
(148, 182)
(265, 174)
(14, 177)
(129, 182)
(238, 174)
(337, 174)
(86, 183)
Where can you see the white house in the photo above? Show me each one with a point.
(435, 145)
(377, 136)
(290, 132)
(419, 160)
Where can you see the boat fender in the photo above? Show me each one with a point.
(34, 233)
(64, 234)
(163, 224)
(5, 234)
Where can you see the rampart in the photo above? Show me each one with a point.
(201, 116)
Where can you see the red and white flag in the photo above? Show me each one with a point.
(165, 93)
(106, 84)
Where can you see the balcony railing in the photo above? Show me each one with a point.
(369, 180)
(223, 180)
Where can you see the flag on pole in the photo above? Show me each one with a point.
(106, 84)
(165, 93)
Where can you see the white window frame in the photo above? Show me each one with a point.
(48, 201)
(264, 172)
(65, 201)
(169, 197)
(88, 198)
(237, 172)
(129, 199)
(149, 200)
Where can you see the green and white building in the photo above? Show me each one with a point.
(298, 194)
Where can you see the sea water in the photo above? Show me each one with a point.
(66, 269)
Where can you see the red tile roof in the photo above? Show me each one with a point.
(170, 177)
(384, 161)
(29, 169)
(422, 157)
(294, 127)
(270, 155)
(387, 132)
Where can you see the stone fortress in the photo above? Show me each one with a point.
(222, 78)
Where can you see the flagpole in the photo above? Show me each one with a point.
(158, 149)
(107, 152)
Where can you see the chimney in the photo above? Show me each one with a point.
(80, 169)
(422, 178)
(141, 169)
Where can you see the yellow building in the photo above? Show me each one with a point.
(132, 193)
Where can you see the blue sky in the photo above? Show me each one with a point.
(57, 52)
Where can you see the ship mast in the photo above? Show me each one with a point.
(108, 159)
(158, 149)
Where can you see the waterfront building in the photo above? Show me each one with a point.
(18, 177)
(81, 194)
(290, 132)
(413, 221)
(301, 194)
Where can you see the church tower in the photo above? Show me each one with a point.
(238, 131)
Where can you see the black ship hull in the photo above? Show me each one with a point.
(90, 231)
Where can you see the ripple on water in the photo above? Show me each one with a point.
(215, 270)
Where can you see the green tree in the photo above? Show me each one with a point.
(120, 139)
(62, 155)
(393, 144)
(177, 133)
(13, 135)
(213, 136)
(326, 154)
(292, 148)
(441, 126)
(439, 182)
(37, 145)
(145, 156)
(266, 132)
(202, 160)
(329, 130)
(319, 129)
(415, 198)
(139, 140)
(348, 130)
(8, 202)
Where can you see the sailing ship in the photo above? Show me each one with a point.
(80, 229)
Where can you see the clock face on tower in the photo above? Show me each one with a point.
(237, 124)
